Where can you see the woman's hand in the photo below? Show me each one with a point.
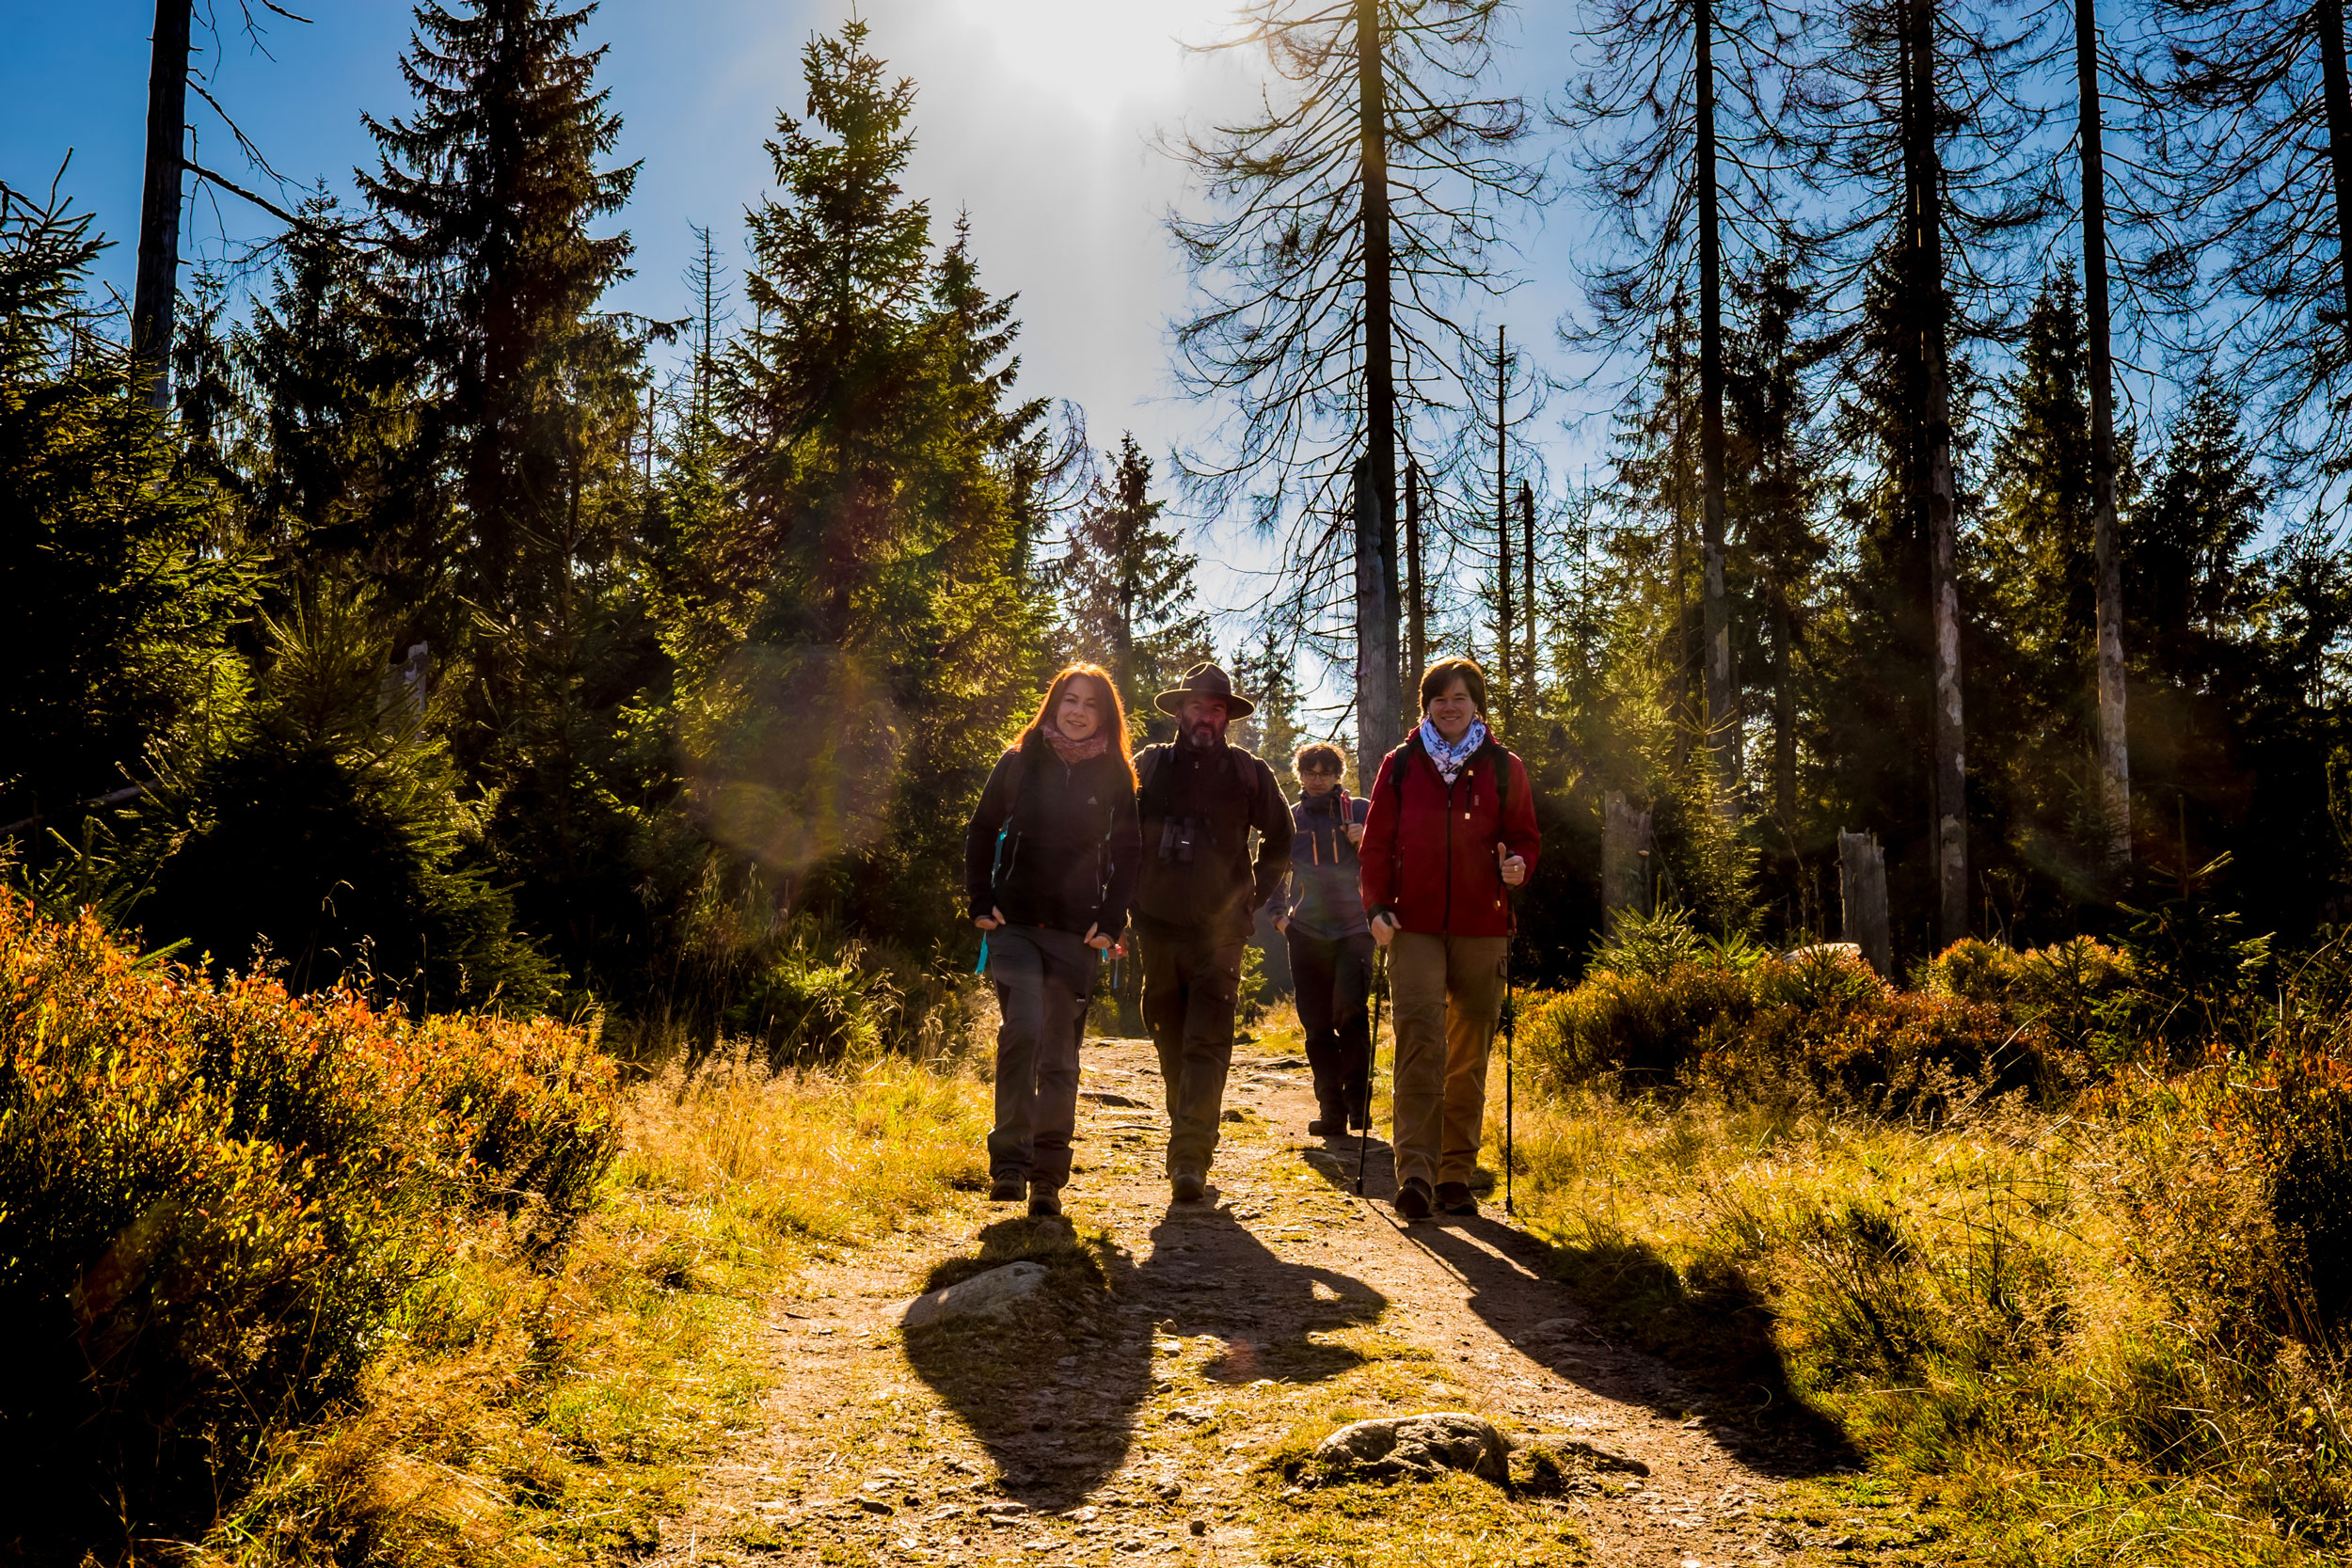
(990, 921)
(1283, 923)
(1513, 867)
(1097, 940)
(1382, 929)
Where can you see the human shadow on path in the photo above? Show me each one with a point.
(1618, 1318)
(1055, 1388)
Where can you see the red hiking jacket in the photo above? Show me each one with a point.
(1429, 847)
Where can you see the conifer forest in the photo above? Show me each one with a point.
(484, 777)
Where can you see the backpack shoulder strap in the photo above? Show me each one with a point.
(1147, 773)
(1501, 756)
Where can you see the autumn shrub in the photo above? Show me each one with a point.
(1818, 1022)
(214, 1199)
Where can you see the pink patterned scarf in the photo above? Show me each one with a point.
(1076, 751)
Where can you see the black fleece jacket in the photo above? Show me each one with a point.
(1226, 793)
(1070, 844)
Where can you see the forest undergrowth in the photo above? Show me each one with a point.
(2076, 1283)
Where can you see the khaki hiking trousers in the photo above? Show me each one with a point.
(1448, 996)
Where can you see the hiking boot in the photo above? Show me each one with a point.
(1007, 1189)
(1453, 1198)
(1188, 1186)
(1329, 1123)
(1358, 1120)
(1412, 1199)
(1044, 1203)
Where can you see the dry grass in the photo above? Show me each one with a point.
(1962, 1305)
(526, 1418)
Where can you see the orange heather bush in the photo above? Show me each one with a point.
(214, 1199)
(1818, 1022)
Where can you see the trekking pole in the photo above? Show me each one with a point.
(1510, 1038)
(1372, 1062)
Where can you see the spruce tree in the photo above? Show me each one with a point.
(1127, 590)
(489, 193)
(119, 576)
(886, 481)
(1688, 92)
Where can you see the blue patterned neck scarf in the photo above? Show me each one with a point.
(1450, 758)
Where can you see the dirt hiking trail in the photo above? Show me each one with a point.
(1129, 1410)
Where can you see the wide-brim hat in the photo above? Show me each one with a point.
(1204, 680)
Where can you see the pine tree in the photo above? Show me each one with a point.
(885, 507)
(1363, 195)
(1911, 121)
(119, 574)
(1775, 489)
(489, 191)
(2249, 125)
(330, 359)
(1690, 89)
(1126, 584)
(2033, 580)
(2183, 580)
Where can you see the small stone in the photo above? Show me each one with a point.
(989, 1294)
(1419, 1446)
(1236, 1114)
(1599, 1456)
(875, 1505)
(1168, 1491)
(1200, 1527)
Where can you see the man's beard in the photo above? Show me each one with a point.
(1206, 734)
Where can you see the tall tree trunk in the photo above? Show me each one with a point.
(1417, 629)
(157, 288)
(2337, 90)
(2114, 762)
(1935, 421)
(1784, 718)
(1527, 589)
(1714, 598)
(1678, 474)
(1376, 606)
(1123, 634)
(1505, 692)
(1377, 729)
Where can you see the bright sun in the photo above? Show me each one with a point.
(1097, 55)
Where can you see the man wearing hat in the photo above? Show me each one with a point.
(1196, 900)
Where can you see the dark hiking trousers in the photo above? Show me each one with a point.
(1043, 979)
(1190, 980)
(1334, 979)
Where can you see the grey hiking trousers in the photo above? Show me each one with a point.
(1044, 980)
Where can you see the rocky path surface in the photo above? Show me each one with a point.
(1140, 1405)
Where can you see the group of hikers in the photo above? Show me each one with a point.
(1074, 838)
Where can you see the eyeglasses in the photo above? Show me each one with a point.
(1320, 773)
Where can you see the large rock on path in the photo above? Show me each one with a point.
(989, 1294)
(1419, 1446)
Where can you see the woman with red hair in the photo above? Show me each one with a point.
(1050, 860)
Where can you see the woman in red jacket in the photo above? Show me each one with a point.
(1452, 832)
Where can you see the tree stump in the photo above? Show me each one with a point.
(1625, 869)
(1861, 888)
